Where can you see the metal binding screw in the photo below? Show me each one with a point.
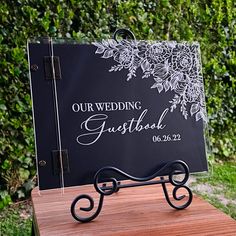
(42, 163)
(34, 67)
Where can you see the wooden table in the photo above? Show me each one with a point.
(133, 211)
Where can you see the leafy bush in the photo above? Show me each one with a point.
(212, 23)
(16, 220)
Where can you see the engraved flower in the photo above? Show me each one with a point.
(124, 57)
(173, 66)
(159, 52)
(125, 53)
(193, 92)
(182, 59)
(143, 48)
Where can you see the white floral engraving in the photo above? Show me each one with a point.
(173, 66)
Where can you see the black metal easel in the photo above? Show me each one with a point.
(176, 167)
(172, 168)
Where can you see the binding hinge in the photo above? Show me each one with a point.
(48, 71)
(57, 162)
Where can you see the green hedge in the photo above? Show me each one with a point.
(212, 23)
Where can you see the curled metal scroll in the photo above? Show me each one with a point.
(169, 165)
(178, 198)
(89, 208)
(174, 167)
(124, 33)
(177, 186)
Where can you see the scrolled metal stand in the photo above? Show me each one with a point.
(176, 167)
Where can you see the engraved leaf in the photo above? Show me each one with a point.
(199, 115)
(157, 79)
(105, 43)
(145, 65)
(116, 68)
(108, 53)
(166, 85)
(154, 86)
(158, 86)
(174, 80)
(204, 117)
(100, 50)
(146, 75)
(194, 108)
(112, 43)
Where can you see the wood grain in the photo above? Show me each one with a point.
(133, 211)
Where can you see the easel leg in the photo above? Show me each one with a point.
(177, 198)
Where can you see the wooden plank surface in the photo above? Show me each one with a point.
(133, 211)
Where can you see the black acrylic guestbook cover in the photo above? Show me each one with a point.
(134, 105)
